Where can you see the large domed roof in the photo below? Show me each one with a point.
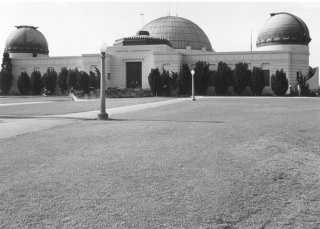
(26, 39)
(283, 28)
(180, 32)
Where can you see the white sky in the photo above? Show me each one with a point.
(74, 28)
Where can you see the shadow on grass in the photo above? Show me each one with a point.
(159, 120)
(108, 120)
(43, 117)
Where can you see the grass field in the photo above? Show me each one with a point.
(213, 163)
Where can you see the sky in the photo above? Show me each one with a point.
(73, 28)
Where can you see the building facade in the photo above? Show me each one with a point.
(167, 43)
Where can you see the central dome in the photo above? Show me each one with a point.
(180, 32)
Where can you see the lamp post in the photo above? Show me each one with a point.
(103, 115)
(192, 73)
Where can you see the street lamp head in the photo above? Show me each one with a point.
(192, 71)
(103, 47)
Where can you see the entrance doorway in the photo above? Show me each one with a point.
(134, 74)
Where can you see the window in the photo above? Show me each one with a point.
(50, 68)
(109, 76)
(266, 76)
(34, 55)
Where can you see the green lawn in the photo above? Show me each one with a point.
(213, 163)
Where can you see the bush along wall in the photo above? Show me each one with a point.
(24, 83)
(184, 80)
(6, 76)
(279, 83)
(240, 78)
(222, 78)
(155, 82)
(165, 75)
(36, 83)
(49, 80)
(62, 80)
(302, 82)
(201, 78)
(127, 93)
(72, 79)
(257, 81)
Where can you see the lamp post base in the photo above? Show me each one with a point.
(193, 99)
(103, 116)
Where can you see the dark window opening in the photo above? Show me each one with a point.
(34, 55)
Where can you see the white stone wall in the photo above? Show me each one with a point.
(41, 64)
(163, 56)
(120, 55)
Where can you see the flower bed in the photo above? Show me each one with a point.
(127, 93)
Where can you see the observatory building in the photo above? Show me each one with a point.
(169, 42)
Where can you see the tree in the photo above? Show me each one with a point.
(166, 82)
(174, 80)
(83, 81)
(36, 82)
(98, 77)
(257, 81)
(184, 80)
(222, 78)
(6, 76)
(62, 80)
(279, 83)
(92, 79)
(49, 80)
(240, 78)
(302, 81)
(155, 81)
(72, 79)
(24, 83)
(201, 77)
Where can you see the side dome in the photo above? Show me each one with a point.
(180, 32)
(283, 29)
(27, 39)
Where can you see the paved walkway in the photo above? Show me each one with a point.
(11, 127)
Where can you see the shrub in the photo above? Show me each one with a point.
(23, 83)
(62, 80)
(184, 80)
(36, 83)
(6, 76)
(98, 77)
(92, 79)
(240, 78)
(49, 80)
(155, 81)
(201, 77)
(83, 82)
(174, 80)
(72, 79)
(222, 78)
(279, 83)
(127, 93)
(166, 82)
(257, 81)
(302, 81)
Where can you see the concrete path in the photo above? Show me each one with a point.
(14, 126)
